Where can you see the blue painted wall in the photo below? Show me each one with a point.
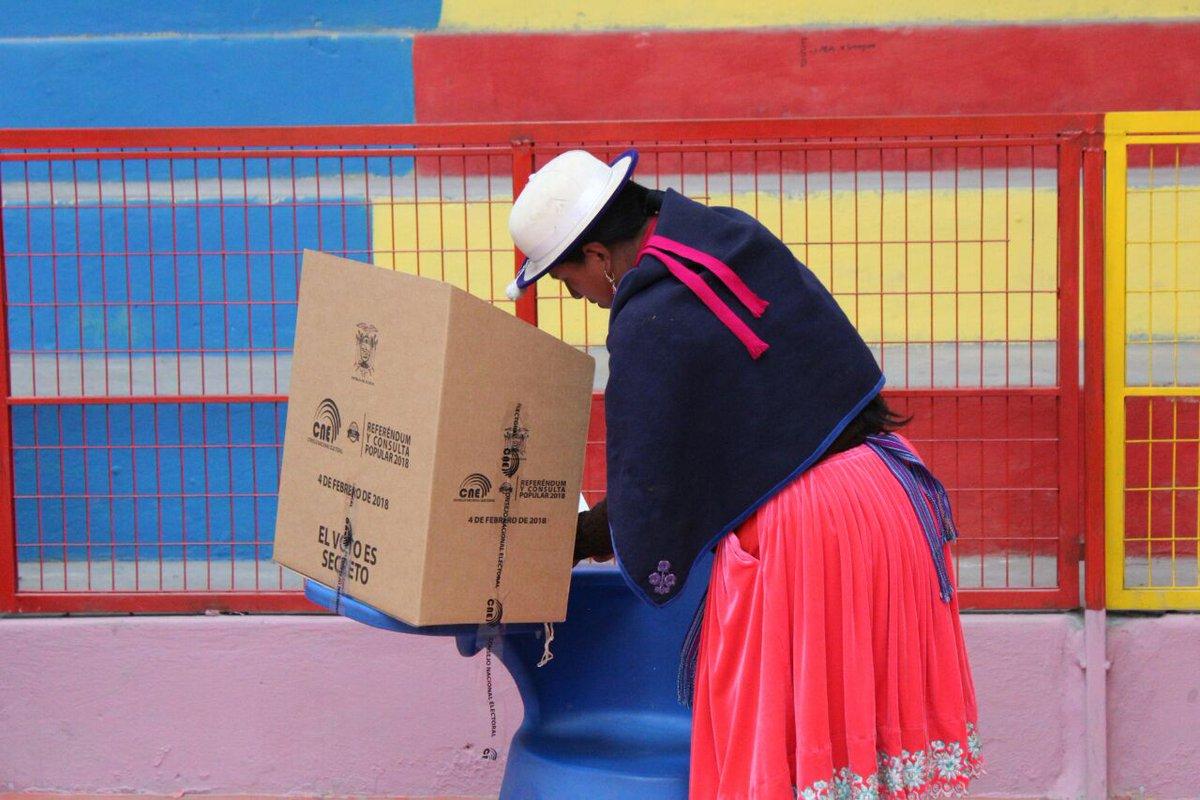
(213, 81)
(95, 481)
(70, 63)
(167, 481)
(46, 18)
(185, 277)
(160, 481)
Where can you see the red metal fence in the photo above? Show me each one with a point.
(150, 283)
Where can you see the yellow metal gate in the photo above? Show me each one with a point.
(1152, 364)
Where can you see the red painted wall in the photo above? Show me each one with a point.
(848, 72)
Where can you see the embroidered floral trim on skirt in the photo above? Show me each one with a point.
(829, 667)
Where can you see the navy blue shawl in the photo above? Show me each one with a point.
(700, 432)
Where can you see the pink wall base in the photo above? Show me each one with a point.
(1031, 703)
(317, 705)
(245, 705)
(1154, 707)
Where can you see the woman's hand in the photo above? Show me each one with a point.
(592, 538)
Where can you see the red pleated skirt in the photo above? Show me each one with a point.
(829, 667)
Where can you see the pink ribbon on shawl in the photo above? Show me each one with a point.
(665, 250)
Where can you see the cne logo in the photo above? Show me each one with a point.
(327, 423)
(515, 438)
(474, 487)
(495, 612)
(366, 339)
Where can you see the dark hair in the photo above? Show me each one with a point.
(876, 417)
(620, 222)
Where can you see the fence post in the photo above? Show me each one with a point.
(1093, 372)
(1068, 366)
(522, 168)
(8, 526)
(1095, 659)
(1114, 361)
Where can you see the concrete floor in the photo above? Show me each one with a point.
(915, 365)
(202, 796)
(37, 796)
(152, 575)
(1017, 570)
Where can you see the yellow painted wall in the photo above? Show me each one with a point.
(987, 272)
(977, 269)
(1162, 263)
(522, 15)
(464, 243)
(935, 269)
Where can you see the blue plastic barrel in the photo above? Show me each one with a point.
(601, 719)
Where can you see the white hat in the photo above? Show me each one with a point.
(558, 204)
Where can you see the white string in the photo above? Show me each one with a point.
(548, 631)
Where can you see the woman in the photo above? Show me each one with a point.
(744, 414)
